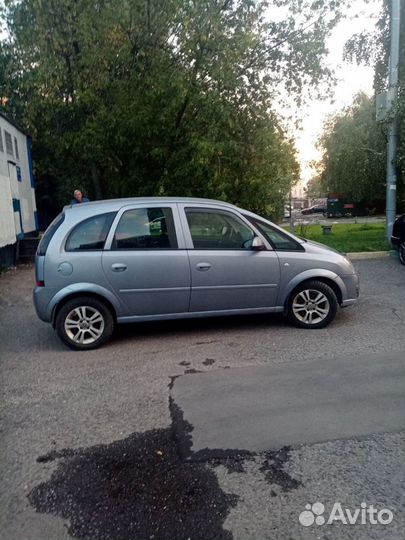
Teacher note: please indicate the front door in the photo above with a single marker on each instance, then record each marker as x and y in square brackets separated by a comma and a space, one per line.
[226, 273]
[144, 264]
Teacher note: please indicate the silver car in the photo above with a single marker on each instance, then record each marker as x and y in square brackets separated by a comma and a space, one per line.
[147, 259]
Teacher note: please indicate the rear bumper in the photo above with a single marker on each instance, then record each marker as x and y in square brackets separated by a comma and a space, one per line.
[41, 297]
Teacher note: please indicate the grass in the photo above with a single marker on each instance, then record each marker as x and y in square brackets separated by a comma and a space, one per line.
[348, 237]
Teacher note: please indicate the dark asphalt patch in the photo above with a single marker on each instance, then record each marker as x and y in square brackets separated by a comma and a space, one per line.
[149, 485]
[232, 460]
[273, 469]
[209, 361]
[134, 489]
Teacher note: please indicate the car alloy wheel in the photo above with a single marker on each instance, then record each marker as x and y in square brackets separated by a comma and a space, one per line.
[312, 305]
[84, 325]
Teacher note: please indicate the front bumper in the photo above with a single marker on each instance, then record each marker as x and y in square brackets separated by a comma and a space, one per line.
[352, 284]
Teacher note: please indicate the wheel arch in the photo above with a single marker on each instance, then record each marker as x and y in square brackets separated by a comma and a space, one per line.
[333, 280]
[66, 295]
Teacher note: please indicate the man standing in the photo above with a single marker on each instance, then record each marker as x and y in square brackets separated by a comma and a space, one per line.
[78, 197]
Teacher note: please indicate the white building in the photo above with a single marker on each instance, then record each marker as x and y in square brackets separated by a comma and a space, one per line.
[298, 190]
[18, 211]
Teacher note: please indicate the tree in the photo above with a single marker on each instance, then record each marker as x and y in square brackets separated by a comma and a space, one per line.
[133, 97]
[353, 160]
[372, 48]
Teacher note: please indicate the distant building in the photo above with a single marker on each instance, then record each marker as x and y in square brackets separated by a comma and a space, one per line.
[18, 211]
[298, 190]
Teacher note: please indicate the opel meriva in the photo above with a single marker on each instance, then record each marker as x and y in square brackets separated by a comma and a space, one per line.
[148, 259]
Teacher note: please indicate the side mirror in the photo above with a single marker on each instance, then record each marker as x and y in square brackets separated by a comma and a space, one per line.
[258, 244]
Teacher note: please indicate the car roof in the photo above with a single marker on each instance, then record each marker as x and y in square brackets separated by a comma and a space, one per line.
[116, 204]
[89, 209]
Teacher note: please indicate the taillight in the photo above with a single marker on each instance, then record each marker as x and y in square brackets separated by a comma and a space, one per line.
[40, 283]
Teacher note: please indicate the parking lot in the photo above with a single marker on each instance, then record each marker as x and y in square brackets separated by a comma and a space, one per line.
[101, 444]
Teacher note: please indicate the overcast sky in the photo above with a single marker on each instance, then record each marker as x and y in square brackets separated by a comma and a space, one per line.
[351, 80]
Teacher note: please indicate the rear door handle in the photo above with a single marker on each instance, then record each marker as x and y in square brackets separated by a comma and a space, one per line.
[118, 267]
[202, 266]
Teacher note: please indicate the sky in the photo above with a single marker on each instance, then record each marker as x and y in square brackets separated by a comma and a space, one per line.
[351, 80]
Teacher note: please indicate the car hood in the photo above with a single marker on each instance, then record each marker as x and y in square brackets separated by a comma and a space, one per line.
[333, 255]
[317, 247]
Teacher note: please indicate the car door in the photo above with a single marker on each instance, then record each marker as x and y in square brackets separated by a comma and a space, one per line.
[145, 261]
[226, 273]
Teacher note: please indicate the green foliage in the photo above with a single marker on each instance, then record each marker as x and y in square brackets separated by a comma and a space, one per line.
[350, 237]
[354, 153]
[373, 49]
[170, 97]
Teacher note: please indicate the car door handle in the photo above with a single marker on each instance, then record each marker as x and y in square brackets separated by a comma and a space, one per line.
[203, 266]
[118, 267]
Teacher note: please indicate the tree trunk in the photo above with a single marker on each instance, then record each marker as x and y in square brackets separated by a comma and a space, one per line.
[95, 175]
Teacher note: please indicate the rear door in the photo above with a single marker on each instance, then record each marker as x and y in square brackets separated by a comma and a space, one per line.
[145, 260]
[226, 273]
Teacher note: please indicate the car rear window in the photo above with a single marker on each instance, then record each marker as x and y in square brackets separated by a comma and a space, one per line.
[90, 234]
[48, 234]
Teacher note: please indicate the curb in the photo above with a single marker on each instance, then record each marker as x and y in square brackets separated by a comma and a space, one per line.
[361, 255]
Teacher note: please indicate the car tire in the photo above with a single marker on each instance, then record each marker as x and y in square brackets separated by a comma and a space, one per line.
[312, 305]
[401, 252]
[84, 323]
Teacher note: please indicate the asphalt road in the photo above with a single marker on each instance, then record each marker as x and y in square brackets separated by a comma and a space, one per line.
[269, 407]
[91, 444]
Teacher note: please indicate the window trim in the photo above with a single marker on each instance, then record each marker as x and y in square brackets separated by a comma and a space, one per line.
[111, 242]
[16, 149]
[80, 223]
[10, 146]
[256, 222]
[210, 210]
[1, 141]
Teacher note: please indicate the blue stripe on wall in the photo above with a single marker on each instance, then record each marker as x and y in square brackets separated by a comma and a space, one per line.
[17, 208]
[29, 149]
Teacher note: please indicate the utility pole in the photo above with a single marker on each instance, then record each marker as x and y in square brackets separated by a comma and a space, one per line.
[392, 96]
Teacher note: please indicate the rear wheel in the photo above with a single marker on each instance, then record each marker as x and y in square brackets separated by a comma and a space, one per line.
[402, 252]
[312, 305]
[84, 323]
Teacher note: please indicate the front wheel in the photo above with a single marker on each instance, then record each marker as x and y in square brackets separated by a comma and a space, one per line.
[312, 305]
[401, 252]
[84, 323]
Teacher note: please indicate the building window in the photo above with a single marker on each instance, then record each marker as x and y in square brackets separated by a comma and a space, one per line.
[17, 155]
[1, 142]
[9, 143]
[19, 177]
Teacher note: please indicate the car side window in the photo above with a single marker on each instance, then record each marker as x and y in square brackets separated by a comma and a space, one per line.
[90, 234]
[145, 228]
[212, 229]
[277, 239]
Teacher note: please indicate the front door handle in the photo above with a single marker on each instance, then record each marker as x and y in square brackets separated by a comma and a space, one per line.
[202, 266]
[118, 267]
